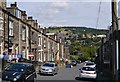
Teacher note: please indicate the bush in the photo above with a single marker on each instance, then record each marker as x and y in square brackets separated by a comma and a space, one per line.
[73, 57]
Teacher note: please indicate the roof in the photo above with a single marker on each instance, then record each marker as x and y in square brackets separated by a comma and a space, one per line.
[50, 62]
[28, 64]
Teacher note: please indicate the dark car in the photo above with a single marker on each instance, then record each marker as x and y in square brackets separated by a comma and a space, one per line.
[19, 72]
[73, 63]
[78, 61]
[68, 65]
[24, 60]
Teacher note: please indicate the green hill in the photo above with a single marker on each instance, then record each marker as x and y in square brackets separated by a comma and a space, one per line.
[80, 39]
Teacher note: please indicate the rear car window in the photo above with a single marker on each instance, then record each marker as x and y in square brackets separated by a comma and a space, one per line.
[90, 64]
[88, 69]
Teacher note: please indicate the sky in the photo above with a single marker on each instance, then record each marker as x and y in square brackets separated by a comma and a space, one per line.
[67, 12]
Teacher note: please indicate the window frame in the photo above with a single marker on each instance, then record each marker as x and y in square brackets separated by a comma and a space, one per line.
[23, 37]
[10, 28]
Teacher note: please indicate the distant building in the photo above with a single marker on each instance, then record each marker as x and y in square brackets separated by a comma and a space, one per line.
[2, 5]
[101, 36]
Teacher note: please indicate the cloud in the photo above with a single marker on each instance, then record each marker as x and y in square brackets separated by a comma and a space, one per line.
[60, 4]
[59, 21]
[59, 0]
[49, 12]
[52, 9]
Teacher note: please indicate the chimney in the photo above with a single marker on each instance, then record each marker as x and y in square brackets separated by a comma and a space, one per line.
[14, 5]
[31, 21]
[30, 18]
[24, 16]
[36, 24]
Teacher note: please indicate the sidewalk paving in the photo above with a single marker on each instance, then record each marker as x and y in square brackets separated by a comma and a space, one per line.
[103, 75]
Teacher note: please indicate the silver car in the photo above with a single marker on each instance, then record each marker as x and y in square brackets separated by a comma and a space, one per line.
[49, 68]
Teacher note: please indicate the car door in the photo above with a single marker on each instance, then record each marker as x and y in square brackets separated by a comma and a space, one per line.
[30, 74]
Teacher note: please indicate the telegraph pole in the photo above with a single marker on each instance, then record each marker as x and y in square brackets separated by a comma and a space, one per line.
[114, 16]
[115, 53]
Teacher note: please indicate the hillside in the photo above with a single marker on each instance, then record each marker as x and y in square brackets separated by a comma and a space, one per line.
[80, 39]
[77, 30]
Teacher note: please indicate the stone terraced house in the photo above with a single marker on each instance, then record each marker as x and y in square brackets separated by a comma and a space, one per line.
[21, 36]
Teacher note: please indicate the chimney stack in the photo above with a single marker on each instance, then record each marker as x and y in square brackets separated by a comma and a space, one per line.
[14, 5]
[24, 16]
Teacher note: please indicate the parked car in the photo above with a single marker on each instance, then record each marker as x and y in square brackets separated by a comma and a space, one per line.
[88, 72]
[49, 68]
[78, 61]
[90, 64]
[68, 65]
[73, 63]
[19, 72]
[24, 60]
[87, 61]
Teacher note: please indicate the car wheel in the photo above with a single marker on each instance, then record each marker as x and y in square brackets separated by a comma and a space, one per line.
[23, 81]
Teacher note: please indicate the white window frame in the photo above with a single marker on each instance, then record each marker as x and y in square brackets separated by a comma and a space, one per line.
[17, 13]
[44, 43]
[0, 47]
[23, 33]
[39, 39]
[1, 21]
[10, 28]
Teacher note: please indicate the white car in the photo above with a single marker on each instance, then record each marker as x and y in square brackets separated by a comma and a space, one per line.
[88, 72]
[90, 64]
[49, 68]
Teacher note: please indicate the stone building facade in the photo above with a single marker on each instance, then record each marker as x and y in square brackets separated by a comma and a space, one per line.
[22, 37]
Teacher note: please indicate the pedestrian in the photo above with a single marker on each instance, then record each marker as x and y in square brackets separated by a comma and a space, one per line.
[4, 59]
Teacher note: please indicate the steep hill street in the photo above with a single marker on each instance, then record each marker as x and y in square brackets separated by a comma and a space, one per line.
[65, 74]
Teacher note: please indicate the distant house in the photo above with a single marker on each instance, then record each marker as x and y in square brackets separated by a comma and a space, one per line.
[101, 36]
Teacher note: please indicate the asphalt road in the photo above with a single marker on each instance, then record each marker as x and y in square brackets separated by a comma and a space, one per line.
[64, 74]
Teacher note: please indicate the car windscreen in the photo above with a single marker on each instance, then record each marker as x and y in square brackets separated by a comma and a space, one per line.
[88, 69]
[73, 61]
[48, 65]
[16, 67]
[90, 64]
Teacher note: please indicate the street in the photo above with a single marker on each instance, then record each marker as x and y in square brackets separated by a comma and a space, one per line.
[64, 74]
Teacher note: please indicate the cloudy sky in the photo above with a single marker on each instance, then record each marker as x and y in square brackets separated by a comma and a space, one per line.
[68, 12]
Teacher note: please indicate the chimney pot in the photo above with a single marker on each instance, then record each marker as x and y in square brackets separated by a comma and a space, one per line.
[14, 4]
[30, 18]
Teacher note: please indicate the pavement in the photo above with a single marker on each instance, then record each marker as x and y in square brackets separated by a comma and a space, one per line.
[103, 75]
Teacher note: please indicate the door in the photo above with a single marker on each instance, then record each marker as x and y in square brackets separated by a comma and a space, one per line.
[30, 73]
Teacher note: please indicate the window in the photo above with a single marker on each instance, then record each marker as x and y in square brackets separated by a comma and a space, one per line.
[39, 40]
[23, 33]
[10, 28]
[44, 43]
[1, 20]
[0, 46]
[32, 34]
[0, 14]
[0, 25]
[18, 13]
